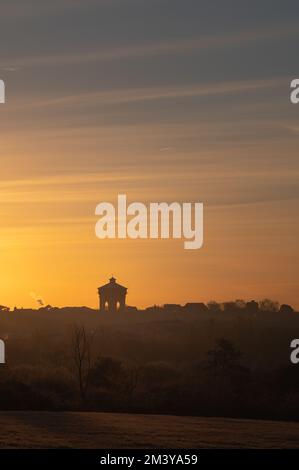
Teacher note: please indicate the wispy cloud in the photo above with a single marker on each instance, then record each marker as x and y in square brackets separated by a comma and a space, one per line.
[131, 95]
[90, 187]
[158, 48]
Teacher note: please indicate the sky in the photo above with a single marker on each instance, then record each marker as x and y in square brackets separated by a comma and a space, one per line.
[163, 100]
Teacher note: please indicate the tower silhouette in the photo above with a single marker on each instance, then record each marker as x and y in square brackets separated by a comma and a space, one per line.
[112, 297]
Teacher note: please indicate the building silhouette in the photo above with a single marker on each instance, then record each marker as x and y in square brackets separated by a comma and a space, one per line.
[112, 297]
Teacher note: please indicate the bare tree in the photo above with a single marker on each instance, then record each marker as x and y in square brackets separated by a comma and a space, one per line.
[82, 357]
[132, 380]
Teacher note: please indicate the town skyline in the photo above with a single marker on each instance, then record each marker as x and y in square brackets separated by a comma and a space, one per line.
[40, 303]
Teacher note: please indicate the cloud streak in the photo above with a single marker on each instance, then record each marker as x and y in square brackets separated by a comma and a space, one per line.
[160, 48]
[134, 95]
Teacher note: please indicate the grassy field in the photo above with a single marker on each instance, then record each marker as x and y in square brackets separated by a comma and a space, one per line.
[111, 430]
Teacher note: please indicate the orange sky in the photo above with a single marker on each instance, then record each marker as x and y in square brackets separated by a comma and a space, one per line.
[48, 243]
[186, 111]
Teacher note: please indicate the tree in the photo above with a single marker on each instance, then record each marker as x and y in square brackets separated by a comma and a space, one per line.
[252, 306]
[214, 306]
[81, 354]
[224, 358]
[132, 380]
[268, 305]
[285, 308]
[240, 304]
[230, 306]
[107, 372]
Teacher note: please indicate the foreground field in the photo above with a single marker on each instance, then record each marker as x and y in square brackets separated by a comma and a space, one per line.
[111, 430]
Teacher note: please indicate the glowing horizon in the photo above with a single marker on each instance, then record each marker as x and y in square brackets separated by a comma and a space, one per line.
[194, 110]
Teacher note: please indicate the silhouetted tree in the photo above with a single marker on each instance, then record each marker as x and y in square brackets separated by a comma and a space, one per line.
[284, 308]
[268, 305]
[234, 306]
[132, 380]
[214, 306]
[81, 354]
[224, 357]
[252, 306]
[240, 304]
[107, 372]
